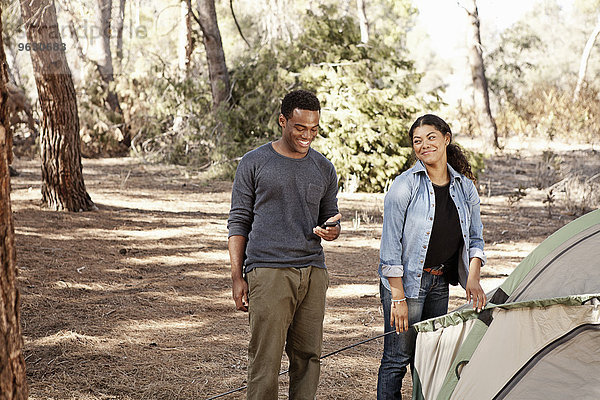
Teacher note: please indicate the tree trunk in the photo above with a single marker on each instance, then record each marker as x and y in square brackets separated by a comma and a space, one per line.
[362, 20]
[104, 58]
[62, 178]
[13, 381]
[217, 68]
[481, 97]
[585, 56]
[119, 24]
[185, 46]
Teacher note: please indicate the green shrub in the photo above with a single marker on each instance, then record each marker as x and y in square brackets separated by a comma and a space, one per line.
[170, 117]
[101, 130]
[367, 94]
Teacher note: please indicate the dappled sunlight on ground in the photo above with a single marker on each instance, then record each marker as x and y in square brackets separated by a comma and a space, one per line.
[70, 337]
[142, 328]
[175, 260]
[353, 290]
[518, 249]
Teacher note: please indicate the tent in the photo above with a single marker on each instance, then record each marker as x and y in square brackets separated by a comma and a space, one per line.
[538, 337]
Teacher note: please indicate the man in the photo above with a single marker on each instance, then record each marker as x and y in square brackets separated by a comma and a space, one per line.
[283, 193]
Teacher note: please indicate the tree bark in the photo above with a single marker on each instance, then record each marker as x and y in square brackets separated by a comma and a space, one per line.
[104, 58]
[481, 97]
[119, 24]
[585, 56]
[13, 381]
[217, 68]
[362, 20]
[63, 187]
[186, 45]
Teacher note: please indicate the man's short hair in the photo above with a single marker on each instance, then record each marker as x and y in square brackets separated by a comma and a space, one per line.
[301, 99]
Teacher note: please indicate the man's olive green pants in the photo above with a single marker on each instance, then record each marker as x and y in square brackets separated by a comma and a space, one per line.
[286, 308]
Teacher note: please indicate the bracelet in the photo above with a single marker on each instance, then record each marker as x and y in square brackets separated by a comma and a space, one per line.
[399, 300]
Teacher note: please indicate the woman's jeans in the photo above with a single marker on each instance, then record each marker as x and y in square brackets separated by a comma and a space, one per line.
[398, 350]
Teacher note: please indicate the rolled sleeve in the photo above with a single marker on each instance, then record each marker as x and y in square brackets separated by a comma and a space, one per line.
[392, 271]
[476, 252]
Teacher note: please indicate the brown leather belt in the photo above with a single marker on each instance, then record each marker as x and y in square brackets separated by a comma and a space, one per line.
[437, 271]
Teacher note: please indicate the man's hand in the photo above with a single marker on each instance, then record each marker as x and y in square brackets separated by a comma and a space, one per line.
[240, 294]
[331, 232]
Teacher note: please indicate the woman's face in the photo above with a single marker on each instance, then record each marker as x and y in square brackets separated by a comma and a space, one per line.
[430, 144]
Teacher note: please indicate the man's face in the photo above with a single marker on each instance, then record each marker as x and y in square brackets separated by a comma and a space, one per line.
[299, 131]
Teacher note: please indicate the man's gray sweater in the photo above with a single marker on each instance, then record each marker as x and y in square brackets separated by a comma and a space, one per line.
[276, 202]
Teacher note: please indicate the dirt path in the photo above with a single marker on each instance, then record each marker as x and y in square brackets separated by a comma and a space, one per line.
[133, 301]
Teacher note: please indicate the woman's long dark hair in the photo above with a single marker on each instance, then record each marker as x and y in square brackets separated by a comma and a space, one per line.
[455, 155]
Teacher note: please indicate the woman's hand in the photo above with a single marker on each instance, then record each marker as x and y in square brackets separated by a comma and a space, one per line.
[398, 309]
[474, 291]
[476, 294]
[399, 316]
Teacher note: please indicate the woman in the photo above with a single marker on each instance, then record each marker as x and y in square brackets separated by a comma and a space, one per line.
[432, 236]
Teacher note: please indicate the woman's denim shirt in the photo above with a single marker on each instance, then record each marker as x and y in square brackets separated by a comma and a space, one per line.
[409, 208]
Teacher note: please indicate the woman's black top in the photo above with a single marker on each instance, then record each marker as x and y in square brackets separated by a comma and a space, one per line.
[446, 237]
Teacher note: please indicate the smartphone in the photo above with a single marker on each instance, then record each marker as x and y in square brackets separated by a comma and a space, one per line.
[329, 224]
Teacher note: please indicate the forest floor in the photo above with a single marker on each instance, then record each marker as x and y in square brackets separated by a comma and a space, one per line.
[133, 301]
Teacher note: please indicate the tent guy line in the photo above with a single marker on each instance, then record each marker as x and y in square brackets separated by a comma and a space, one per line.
[322, 357]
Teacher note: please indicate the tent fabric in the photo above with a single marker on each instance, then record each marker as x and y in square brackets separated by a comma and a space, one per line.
[463, 356]
[429, 365]
[444, 344]
[571, 270]
[575, 239]
[540, 318]
[450, 319]
[570, 370]
[513, 338]
[466, 314]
